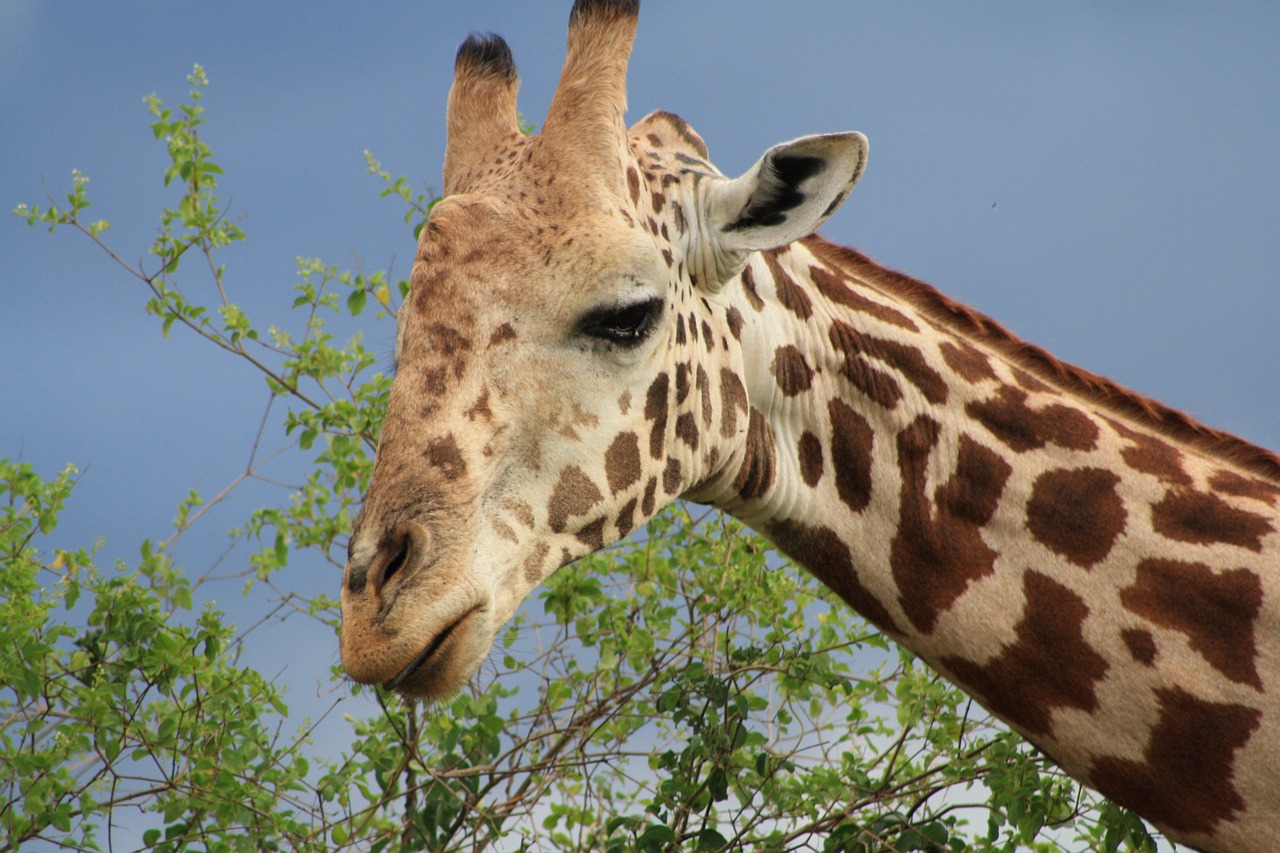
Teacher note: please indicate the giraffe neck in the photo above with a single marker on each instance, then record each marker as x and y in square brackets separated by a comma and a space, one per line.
[1092, 566]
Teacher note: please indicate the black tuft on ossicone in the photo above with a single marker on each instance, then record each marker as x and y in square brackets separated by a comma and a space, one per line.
[487, 54]
[610, 7]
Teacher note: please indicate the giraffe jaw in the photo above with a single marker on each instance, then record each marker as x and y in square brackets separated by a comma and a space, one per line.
[447, 661]
[420, 650]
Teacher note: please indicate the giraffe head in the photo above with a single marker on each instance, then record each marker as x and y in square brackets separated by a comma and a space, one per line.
[567, 361]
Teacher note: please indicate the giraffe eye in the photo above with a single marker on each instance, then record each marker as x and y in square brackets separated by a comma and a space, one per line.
[625, 325]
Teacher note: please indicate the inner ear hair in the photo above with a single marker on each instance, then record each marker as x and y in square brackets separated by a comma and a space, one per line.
[778, 190]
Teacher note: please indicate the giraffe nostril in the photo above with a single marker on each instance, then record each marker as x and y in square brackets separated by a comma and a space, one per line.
[400, 550]
[397, 561]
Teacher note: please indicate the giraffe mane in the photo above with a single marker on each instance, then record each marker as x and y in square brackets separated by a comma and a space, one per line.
[1096, 389]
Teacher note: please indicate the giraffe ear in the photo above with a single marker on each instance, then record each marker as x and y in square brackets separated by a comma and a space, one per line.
[787, 194]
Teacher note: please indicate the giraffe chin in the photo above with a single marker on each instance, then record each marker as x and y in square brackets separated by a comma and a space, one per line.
[448, 659]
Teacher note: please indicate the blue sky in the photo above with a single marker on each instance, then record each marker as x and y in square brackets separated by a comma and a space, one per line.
[1101, 177]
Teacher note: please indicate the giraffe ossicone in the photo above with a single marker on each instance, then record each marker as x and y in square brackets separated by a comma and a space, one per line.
[600, 322]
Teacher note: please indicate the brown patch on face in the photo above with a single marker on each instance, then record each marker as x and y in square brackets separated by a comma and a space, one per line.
[450, 343]
[480, 408]
[835, 287]
[1185, 782]
[1141, 645]
[791, 371]
[504, 531]
[1216, 610]
[687, 430]
[503, 333]
[733, 398]
[655, 409]
[877, 385]
[682, 382]
[633, 184]
[1205, 519]
[1231, 483]
[520, 510]
[624, 402]
[968, 362]
[938, 549]
[658, 200]
[790, 294]
[851, 445]
[534, 562]
[821, 551]
[443, 453]
[810, 449]
[749, 288]
[1150, 455]
[1008, 417]
[1050, 664]
[1077, 513]
[622, 462]
[435, 380]
[672, 477]
[759, 466]
[574, 494]
[681, 337]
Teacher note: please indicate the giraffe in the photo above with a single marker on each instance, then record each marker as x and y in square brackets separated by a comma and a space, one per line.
[600, 322]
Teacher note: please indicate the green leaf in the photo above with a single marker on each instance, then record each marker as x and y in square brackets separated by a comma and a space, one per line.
[356, 300]
[709, 839]
[718, 785]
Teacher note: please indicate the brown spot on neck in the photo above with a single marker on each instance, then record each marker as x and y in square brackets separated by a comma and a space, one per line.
[835, 286]
[821, 551]
[791, 371]
[759, 465]
[1216, 611]
[748, 280]
[969, 363]
[1205, 519]
[1185, 780]
[1050, 664]
[1151, 455]
[1076, 513]
[975, 326]
[1021, 428]
[790, 294]
[938, 549]
[852, 442]
[810, 453]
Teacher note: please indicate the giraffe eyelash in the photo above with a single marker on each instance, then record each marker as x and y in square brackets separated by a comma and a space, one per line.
[624, 325]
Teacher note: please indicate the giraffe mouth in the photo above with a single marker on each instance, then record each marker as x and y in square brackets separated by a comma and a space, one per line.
[430, 665]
